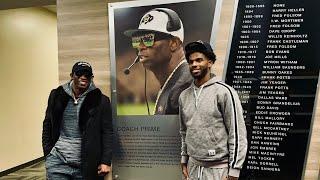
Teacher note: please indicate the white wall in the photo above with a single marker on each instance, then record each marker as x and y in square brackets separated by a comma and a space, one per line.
[28, 70]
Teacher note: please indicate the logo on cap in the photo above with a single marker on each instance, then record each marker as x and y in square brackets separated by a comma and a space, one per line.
[199, 41]
[84, 64]
[146, 19]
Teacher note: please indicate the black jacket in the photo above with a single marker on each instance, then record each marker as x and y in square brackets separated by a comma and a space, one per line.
[168, 99]
[95, 122]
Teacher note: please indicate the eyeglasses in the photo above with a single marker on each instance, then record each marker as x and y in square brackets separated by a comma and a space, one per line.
[85, 73]
[148, 39]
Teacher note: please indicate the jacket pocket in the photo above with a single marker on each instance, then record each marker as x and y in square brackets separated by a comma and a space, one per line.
[201, 143]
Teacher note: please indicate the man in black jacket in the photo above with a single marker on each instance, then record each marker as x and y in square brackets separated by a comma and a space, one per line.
[77, 129]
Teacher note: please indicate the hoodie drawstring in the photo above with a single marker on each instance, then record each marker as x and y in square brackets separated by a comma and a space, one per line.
[197, 96]
[200, 172]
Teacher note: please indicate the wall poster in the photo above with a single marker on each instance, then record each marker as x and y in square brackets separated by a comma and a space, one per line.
[144, 95]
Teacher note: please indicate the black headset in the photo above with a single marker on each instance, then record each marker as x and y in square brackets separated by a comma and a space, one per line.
[174, 23]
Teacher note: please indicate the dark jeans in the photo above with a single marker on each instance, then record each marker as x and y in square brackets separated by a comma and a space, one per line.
[58, 169]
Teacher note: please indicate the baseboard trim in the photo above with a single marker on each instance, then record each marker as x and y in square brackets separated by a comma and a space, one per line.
[24, 165]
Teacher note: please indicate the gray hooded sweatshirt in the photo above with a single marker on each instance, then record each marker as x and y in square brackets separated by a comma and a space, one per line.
[212, 126]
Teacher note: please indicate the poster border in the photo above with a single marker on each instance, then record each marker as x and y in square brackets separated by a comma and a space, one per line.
[230, 38]
[127, 4]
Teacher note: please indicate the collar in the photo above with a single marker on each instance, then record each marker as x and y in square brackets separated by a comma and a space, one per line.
[165, 84]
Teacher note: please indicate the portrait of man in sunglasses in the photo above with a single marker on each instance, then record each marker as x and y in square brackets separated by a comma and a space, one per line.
[158, 42]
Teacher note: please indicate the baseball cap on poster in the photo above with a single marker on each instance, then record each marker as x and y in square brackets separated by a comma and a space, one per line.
[161, 20]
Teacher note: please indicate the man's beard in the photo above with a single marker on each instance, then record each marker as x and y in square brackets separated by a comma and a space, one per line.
[203, 73]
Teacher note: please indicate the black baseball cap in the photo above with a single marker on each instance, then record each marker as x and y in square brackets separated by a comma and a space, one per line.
[82, 66]
[202, 47]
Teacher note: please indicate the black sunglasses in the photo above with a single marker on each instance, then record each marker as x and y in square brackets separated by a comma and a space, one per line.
[85, 73]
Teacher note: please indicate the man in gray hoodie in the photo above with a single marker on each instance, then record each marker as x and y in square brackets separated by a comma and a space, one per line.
[213, 131]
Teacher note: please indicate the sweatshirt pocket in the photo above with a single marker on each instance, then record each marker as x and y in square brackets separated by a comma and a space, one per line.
[201, 143]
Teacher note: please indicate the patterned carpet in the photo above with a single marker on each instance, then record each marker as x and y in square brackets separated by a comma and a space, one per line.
[33, 172]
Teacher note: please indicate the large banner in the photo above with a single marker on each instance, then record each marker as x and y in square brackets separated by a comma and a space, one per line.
[148, 72]
[274, 66]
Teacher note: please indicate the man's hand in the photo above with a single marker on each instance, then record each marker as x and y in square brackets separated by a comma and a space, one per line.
[185, 171]
[103, 169]
[231, 178]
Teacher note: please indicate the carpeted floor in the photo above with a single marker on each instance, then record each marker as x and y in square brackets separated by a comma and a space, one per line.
[33, 172]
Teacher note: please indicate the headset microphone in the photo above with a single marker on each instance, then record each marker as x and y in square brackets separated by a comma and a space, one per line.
[127, 70]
